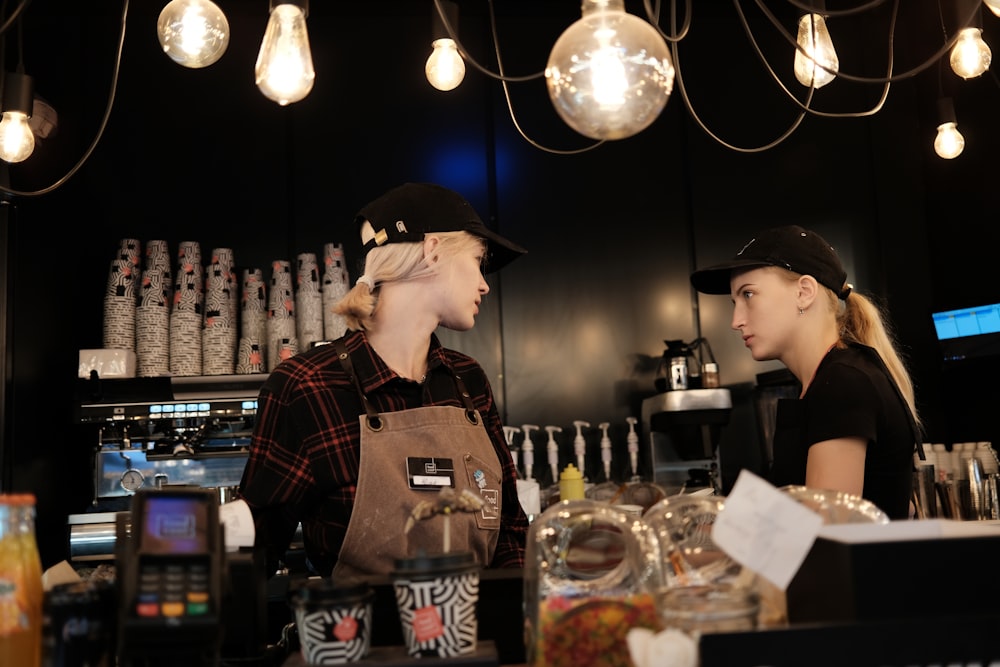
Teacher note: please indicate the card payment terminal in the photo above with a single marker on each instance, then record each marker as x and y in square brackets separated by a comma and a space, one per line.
[170, 561]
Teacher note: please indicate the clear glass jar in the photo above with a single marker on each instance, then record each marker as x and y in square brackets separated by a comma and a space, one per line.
[702, 609]
[591, 574]
[20, 583]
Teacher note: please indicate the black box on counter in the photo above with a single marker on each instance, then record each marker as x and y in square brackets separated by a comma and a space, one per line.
[900, 570]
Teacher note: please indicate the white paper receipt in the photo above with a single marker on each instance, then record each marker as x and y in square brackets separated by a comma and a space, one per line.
[765, 530]
[237, 524]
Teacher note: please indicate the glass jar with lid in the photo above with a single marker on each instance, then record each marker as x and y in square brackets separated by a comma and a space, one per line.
[591, 574]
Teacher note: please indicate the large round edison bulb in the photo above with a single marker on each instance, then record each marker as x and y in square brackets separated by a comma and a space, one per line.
[445, 68]
[16, 138]
[949, 142]
[193, 33]
[609, 75]
[970, 56]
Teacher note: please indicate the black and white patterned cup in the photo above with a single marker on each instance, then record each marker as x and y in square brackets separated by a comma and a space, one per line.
[436, 597]
[334, 622]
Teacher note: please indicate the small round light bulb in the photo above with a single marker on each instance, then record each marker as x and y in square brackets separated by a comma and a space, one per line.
[445, 68]
[949, 142]
[970, 56]
[16, 139]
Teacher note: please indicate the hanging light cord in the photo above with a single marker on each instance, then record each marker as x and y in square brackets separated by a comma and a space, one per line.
[100, 130]
[450, 29]
[510, 106]
[503, 78]
[675, 36]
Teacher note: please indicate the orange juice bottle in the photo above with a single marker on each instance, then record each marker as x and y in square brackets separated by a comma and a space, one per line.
[20, 583]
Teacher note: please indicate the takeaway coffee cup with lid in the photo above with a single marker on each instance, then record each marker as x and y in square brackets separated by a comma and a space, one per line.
[334, 622]
[436, 597]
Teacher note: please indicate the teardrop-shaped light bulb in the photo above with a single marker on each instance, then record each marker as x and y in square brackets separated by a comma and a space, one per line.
[284, 70]
[814, 38]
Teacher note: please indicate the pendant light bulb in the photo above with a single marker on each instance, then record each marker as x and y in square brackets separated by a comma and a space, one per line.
[445, 68]
[609, 75]
[17, 141]
[193, 33]
[284, 71]
[993, 5]
[949, 142]
[970, 56]
[814, 39]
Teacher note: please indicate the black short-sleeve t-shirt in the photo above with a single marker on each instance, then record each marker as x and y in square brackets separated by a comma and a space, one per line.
[851, 396]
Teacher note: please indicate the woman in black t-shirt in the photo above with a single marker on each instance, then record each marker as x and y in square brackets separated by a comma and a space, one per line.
[854, 426]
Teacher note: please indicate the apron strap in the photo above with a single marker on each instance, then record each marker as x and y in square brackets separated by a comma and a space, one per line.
[374, 420]
[470, 408]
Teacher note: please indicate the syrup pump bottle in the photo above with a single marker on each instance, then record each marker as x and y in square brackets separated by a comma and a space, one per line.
[580, 445]
[528, 450]
[605, 450]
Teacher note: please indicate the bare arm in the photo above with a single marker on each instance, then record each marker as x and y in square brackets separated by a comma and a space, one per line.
[837, 465]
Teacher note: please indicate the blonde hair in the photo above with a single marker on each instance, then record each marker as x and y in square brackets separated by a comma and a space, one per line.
[395, 262]
[860, 320]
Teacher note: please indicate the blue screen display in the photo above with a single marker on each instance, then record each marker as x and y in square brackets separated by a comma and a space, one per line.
[973, 321]
[968, 333]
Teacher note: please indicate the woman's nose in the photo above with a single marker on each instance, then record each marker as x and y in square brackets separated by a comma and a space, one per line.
[737, 322]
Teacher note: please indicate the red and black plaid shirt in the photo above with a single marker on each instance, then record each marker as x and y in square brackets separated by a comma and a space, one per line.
[304, 454]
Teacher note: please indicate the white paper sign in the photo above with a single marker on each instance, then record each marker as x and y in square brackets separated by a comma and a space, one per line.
[765, 530]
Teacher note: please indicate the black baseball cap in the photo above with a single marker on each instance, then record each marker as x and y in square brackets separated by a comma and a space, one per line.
[407, 212]
[790, 247]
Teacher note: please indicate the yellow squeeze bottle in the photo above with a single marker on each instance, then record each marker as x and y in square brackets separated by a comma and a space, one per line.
[571, 483]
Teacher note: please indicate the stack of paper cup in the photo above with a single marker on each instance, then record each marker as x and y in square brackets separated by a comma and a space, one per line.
[158, 259]
[308, 301]
[119, 302]
[335, 285]
[281, 340]
[152, 325]
[218, 342]
[188, 312]
[251, 354]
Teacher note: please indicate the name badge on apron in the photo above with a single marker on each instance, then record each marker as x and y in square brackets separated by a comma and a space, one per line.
[429, 474]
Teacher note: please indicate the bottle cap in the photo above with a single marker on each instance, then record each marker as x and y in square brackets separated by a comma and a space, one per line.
[570, 472]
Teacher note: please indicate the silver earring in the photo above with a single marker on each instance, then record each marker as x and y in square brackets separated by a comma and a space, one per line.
[801, 312]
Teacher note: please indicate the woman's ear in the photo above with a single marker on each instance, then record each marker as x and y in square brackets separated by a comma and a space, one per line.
[808, 291]
[431, 244]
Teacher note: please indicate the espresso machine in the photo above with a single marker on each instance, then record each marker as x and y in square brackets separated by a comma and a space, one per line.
[683, 422]
[684, 428]
[157, 433]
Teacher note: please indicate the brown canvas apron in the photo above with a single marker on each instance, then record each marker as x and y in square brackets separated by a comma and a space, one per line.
[406, 456]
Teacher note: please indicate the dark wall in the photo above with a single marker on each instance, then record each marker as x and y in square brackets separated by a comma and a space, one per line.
[573, 330]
